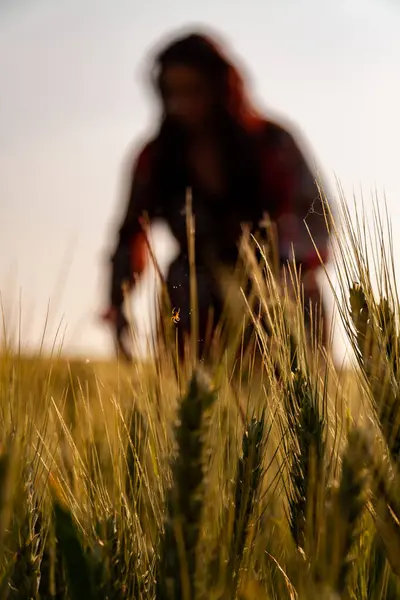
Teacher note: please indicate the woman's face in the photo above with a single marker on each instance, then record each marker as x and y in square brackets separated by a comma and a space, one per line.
[187, 96]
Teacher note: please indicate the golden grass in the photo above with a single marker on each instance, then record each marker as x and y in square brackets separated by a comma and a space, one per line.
[267, 475]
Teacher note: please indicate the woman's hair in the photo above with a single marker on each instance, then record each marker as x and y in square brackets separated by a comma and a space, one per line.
[201, 53]
[237, 120]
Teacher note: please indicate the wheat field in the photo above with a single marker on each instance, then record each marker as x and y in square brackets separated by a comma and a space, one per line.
[266, 473]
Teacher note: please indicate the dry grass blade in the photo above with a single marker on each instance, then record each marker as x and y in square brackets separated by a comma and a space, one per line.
[219, 506]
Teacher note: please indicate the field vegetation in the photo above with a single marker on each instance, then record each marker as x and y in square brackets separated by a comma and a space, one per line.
[266, 473]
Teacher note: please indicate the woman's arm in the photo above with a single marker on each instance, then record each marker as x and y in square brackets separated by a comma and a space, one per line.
[130, 254]
[300, 215]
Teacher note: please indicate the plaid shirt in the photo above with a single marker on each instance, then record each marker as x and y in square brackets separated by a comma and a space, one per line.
[298, 210]
[292, 201]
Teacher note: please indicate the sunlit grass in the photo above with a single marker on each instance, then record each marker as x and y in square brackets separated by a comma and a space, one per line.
[264, 473]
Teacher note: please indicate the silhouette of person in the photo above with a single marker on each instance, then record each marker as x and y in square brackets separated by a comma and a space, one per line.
[239, 166]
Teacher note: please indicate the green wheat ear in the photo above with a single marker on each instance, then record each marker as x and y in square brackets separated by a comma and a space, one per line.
[360, 316]
[248, 479]
[389, 409]
[377, 347]
[387, 325]
[25, 576]
[76, 562]
[348, 507]
[386, 506]
[307, 429]
[185, 499]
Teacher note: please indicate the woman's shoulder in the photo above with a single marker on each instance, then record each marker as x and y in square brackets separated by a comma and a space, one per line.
[278, 131]
[140, 154]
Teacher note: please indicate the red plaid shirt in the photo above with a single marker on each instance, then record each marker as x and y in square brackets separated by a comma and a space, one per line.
[289, 183]
[298, 210]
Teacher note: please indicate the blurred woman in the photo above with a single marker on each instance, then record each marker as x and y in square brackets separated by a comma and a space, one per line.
[239, 166]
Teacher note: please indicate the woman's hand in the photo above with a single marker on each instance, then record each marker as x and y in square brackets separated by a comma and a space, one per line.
[115, 317]
[110, 315]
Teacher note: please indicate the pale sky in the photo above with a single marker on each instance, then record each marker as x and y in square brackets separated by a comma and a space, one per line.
[74, 97]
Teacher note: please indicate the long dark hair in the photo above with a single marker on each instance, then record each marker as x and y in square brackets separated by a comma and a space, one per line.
[237, 120]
